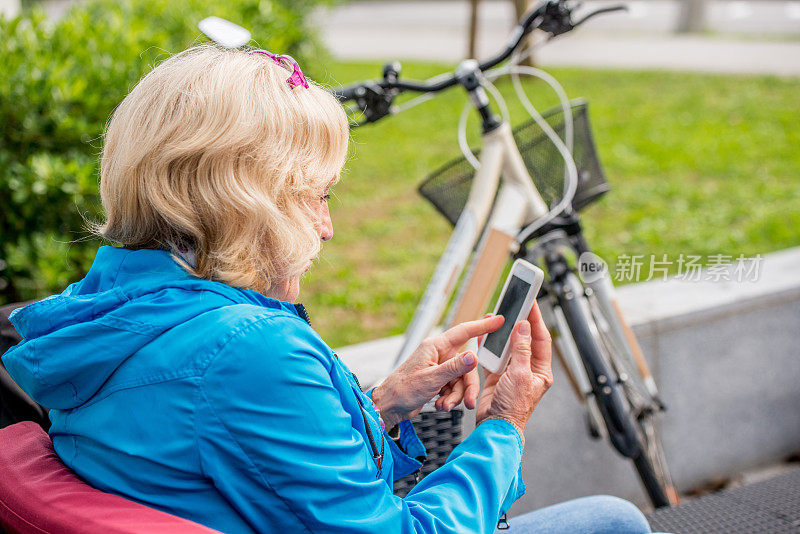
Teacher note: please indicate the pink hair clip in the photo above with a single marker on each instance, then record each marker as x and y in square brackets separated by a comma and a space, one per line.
[287, 61]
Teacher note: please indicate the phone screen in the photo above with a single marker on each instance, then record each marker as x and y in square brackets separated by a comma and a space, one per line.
[512, 302]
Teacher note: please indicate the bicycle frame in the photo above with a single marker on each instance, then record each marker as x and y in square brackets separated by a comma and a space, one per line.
[518, 203]
[591, 338]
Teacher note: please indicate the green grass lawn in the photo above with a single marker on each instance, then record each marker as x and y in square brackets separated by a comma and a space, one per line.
[698, 164]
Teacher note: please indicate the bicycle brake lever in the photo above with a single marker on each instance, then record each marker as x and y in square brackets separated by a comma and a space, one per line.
[374, 101]
[556, 18]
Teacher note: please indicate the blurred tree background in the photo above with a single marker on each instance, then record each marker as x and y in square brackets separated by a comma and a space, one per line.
[61, 81]
[698, 163]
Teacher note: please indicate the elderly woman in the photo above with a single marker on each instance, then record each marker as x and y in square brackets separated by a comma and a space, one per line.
[180, 374]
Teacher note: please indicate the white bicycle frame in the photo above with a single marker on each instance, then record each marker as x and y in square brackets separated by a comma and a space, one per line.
[518, 204]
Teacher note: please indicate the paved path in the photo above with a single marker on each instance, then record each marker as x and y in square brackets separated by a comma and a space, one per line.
[641, 38]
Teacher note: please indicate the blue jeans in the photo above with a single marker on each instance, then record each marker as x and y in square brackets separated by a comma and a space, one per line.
[600, 514]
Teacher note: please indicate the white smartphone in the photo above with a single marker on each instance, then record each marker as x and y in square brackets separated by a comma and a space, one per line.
[515, 303]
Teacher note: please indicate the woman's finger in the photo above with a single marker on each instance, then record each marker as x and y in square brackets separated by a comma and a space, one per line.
[480, 338]
[467, 390]
[445, 391]
[456, 337]
[451, 369]
[520, 346]
[473, 389]
[454, 397]
[540, 343]
[539, 331]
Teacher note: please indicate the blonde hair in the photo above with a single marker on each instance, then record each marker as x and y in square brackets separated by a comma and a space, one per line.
[214, 151]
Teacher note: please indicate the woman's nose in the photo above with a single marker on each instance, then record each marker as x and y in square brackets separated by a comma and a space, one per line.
[326, 224]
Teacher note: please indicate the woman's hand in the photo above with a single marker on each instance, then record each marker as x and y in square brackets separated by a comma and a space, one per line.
[514, 394]
[434, 368]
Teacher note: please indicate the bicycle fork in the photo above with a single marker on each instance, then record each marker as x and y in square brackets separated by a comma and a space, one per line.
[602, 380]
[567, 309]
[567, 353]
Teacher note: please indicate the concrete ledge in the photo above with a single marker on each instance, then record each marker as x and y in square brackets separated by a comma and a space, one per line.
[727, 361]
[674, 303]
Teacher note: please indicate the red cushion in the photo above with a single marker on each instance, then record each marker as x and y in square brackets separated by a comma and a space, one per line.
[39, 494]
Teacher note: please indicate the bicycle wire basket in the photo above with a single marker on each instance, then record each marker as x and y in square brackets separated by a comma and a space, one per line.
[448, 187]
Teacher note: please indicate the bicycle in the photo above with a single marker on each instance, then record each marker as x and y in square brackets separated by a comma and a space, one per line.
[533, 214]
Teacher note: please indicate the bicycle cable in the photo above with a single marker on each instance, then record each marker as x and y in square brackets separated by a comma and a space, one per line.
[554, 84]
[571, 172]
[462, 122]
[565, 149]
[461, 133]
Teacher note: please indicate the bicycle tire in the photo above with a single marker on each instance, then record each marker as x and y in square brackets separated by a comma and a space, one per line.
[647, 408]
[625, 431]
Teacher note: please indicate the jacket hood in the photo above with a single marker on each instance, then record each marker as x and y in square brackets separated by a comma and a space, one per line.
[73, 342]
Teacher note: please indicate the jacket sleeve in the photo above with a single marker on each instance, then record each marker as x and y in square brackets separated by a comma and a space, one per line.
[271, 428]
[407, 450]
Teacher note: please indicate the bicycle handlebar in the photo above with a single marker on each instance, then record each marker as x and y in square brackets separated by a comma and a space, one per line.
[374, 98]
[609, 9]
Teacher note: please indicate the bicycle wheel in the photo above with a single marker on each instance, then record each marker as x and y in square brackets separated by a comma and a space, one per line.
[645, 407]
[631, 428]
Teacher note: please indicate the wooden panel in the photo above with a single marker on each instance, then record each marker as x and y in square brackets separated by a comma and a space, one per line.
[492, 258]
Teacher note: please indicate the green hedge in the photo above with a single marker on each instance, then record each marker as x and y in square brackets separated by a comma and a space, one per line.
[60, 82]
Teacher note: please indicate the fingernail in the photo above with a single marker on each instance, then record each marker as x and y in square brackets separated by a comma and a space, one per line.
[468, 358]
[525, 328]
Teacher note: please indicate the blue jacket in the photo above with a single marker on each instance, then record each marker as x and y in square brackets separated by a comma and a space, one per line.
[223, 406]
